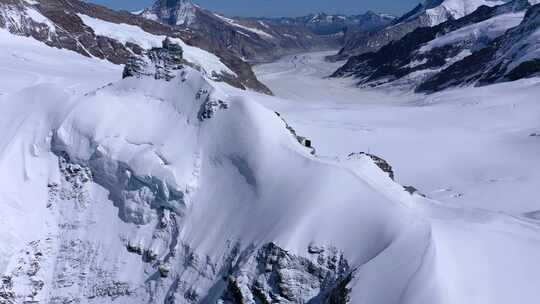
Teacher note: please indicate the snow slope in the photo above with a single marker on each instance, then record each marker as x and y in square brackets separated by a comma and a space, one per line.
[149, 190]
[129, 33]
[456, 146]
[25, 61]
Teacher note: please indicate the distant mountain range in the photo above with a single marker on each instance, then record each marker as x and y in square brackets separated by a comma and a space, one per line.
[428, 13]
[263, 39]
[492, 44]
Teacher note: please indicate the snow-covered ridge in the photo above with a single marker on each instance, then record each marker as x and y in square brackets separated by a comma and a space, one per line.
[486, 30]
[159, 189]
[129, 33]
[147, 161]
[455, 9]
[232, 22]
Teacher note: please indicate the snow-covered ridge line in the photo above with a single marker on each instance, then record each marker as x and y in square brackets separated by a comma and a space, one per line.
[129, 33]
[455, 9]
[484, 31]
[232, 22]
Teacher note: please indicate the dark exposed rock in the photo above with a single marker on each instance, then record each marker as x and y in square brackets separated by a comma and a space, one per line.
[301, 140]
[110, 290]
[209, 108]
[159, 63]
[381, 163]
[412, 190]
[276, 276]
[163, 271]
[371, 41]
[403, 57]
[525, 69]
[7, 295]
[340, 293]
[495, 62]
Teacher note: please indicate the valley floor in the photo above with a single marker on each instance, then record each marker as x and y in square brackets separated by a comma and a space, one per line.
[471, 147]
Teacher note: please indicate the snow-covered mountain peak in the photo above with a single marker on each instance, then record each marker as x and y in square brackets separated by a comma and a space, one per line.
[439, 11]
[177, 12]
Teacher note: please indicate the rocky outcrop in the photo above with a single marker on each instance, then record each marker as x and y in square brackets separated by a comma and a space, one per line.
[304, 141]
[272, 275]
[381, 163]
[159, 63]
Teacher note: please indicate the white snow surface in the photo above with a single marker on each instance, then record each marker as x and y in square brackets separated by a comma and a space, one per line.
[257, 31]
[470, 134]
[245, 177]
[483, 31]
[26, 61]
[456, 9]
[130, 33]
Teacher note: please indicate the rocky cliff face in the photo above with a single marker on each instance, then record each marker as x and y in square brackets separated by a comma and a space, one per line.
[426, 14]
[181, 12]
[272, 275]
[514, 55]
[426, 51]
[59, 23]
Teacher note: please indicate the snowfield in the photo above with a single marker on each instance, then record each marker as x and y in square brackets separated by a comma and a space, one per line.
[25, 62]
[143, 190]
[457, 146]
[455, 9]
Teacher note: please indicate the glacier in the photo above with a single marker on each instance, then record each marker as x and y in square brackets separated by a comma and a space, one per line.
[187, 190]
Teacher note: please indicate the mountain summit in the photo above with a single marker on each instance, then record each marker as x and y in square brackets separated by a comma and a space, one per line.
[176, 12]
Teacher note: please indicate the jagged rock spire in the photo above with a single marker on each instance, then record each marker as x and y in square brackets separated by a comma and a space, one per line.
[160, 63]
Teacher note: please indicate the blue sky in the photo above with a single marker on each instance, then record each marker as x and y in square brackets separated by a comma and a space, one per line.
[281, 7]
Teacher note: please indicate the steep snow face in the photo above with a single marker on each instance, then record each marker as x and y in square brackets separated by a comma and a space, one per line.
[180, 12]
[454, 9]
[259, 32]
